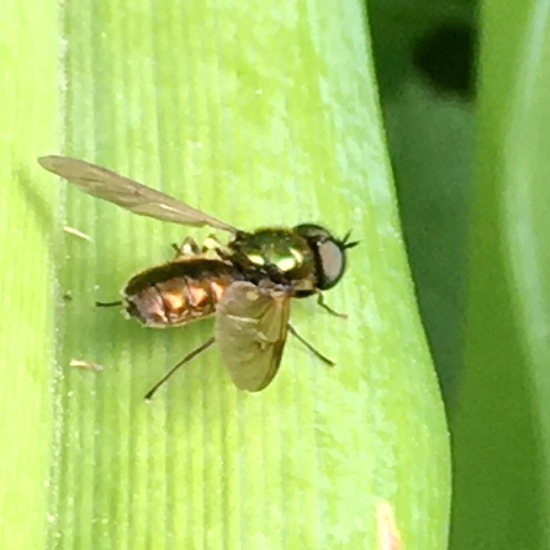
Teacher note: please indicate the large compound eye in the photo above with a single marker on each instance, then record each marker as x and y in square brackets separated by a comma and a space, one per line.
[332, 259]
[329, 253]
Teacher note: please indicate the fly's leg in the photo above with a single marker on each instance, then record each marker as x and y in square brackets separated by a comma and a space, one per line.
[232, 257]
[225, 255]
[186, 359]
[109, 304]
[315, 352]
[321, 302]
[187, 248]
[211, 244]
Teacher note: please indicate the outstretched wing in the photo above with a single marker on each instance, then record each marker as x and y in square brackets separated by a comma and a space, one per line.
[251, 329]
[136, 197]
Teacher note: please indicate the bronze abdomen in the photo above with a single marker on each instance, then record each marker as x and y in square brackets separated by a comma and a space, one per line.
[178, 292]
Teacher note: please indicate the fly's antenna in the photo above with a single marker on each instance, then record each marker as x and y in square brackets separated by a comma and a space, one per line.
[186, 359]
[345, 241]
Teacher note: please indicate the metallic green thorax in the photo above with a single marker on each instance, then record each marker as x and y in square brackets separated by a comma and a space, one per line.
[285, 249]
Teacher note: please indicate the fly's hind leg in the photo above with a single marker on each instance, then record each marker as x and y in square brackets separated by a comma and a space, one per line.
[185, 360]
[315, 352]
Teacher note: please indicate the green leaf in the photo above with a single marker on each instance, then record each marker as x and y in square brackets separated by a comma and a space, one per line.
[502, 431]
[28, 113]
[258, 116]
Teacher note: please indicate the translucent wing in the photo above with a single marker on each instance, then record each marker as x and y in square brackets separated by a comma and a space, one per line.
[251, 329]
[136, 197]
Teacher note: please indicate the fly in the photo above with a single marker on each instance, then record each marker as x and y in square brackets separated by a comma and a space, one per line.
[246, 285]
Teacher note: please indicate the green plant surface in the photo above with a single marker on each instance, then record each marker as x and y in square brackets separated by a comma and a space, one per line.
[501, 431]
[258, 116]
[28, 122]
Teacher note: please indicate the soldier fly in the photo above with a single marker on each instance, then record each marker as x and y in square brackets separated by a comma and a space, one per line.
[247, 284]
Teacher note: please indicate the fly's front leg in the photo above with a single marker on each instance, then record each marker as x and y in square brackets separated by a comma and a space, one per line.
[321, 302]
[187, 248]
